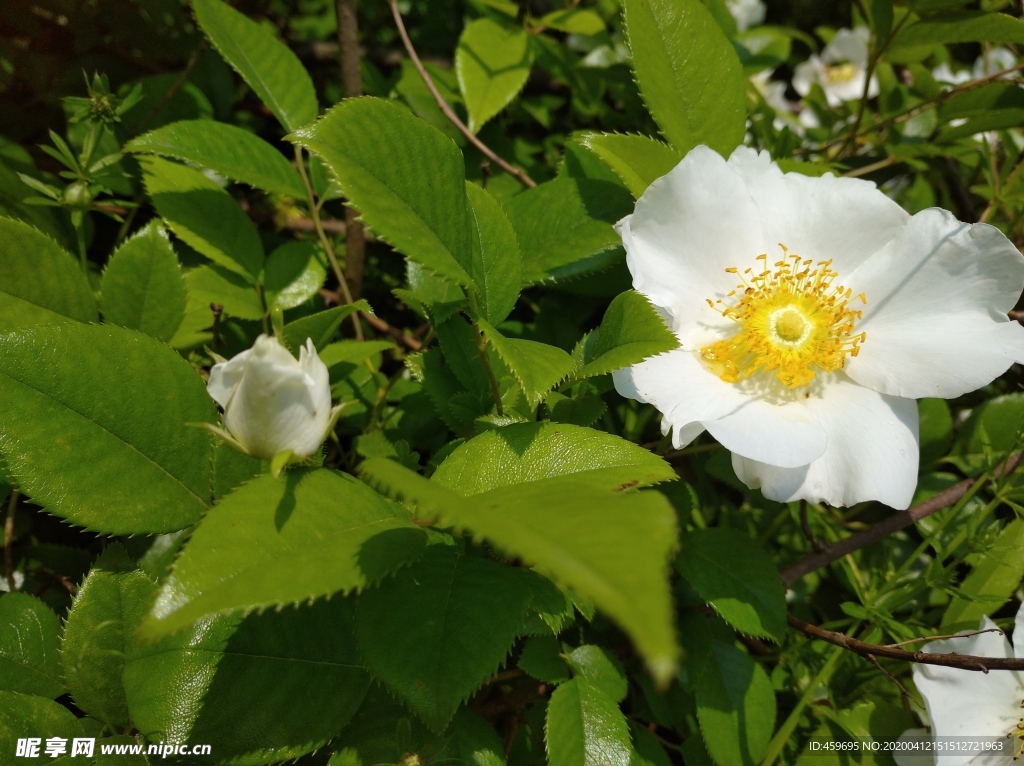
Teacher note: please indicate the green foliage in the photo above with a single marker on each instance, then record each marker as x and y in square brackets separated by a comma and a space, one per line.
[433, 635]
[299, 666]
[688, 73]
[129, 456]
[737, 579]
[530, 573]
[405, 177]
[270, 68]
[232, 152]
[492, 63]
[630, 332]
[29, 635]
[97, 634]
[637, 160]
[349, 536]
[204, 216]
[143, 288]
[41, 284]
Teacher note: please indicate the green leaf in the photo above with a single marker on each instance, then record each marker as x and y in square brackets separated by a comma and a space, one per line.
[293, 274]
[688, 73]
[565, 228]
[268, 66]
[271, 542]
[348, 352]
[936, 429]
[205, 216]
[233, 152]
[24, 715]
[993, 429]
[525, 452]
[585, 727]
[143, 288]
[296, 674]
[212, 285]
[737, 578]
[29, 654]
[735, 704]
[542, 658]
[961, 27]
[97, 426]
[497, 268]
[574, 21]
[405, 178]
[97, 635]
[610, 548]
[431, 632]
[537, 367]
[630, 332]
[600, 668]
[992, 581]
[637, 160]
[41, 283]
[492, 63]
[321, 326]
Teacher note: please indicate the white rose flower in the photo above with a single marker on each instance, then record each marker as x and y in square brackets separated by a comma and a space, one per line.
[840, 70]
[969, 703]
[272, 402]
[810, 313]
[746, 13]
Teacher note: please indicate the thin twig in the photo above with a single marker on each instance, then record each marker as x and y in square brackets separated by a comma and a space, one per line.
[314, 213]
[517, 698]
[805, 527]
[330, 225]
[9, 540]
[351, 87]
[950, 660]
[899, 684]
[178, 84]
[517, 173]
[894, 523]
[919, 639]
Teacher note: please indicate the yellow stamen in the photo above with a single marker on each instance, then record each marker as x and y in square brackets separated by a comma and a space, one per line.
[840, 73]
[793, 322]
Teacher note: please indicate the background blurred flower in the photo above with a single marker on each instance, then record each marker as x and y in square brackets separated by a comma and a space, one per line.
[747, 13]
[840, 70]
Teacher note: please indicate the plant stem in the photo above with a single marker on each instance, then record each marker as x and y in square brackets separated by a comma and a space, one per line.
[785, 731]
[314, 213]
[517, 173]
[481, 348]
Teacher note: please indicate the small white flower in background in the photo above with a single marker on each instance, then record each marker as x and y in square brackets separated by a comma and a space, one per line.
[840, 70]
[973, 704]
[272, 402]
[747, 13]
[810, 313]
[995, 60]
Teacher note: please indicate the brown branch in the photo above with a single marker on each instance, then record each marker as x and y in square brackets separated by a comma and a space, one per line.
[519, 697]
[871, 651]
[517, 173]
[378, 324]
[894, 523]
[351, 87]
[330, 225]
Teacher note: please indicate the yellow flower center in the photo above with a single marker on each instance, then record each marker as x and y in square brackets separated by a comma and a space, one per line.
[793, 322]
[1017, 735]
[840, 73]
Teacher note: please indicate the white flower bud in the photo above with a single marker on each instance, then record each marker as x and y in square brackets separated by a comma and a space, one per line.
[273, 402]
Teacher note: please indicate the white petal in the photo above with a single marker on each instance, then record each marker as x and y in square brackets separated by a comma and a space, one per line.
[970, 703]
[872, 452]
[780, 435]
[936, 313]
[849, 45]
[225, 376]
[807, 73]
[687, 228]
[845, 220]
[1018, 632]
